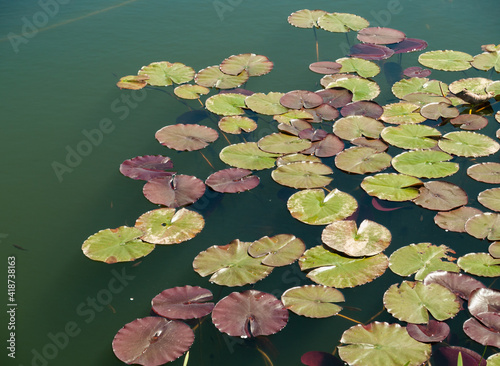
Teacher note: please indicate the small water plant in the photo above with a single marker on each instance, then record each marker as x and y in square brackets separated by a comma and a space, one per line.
[402, 150]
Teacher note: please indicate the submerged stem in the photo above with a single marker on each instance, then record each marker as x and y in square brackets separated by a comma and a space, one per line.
[208, 161]
[267, 360]
[346, 317]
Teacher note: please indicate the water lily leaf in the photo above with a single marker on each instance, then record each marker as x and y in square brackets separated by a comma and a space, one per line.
[486, 332]
[320, 358]
[361, 89]
[409, 45]
[337, 98]
[484, 225]
[382, 344]
[280, 143]
[312, 207]
[313, 301]
[362, 67]
[362, 108]
[433, 331]
[305, 18]
[335, 270]
[188, 91]
[313, 134]
[147, 167]
[292, 158]
[410, 136]
[402, 112]
[451, 355]
[421, 259]
[122, 244]
[168, 226]
[292, 116]
[490, 198]
[247, 155]
[237, 124]
[493, 360]
[227, 104]
[232, 180]
[418, 85]
[380, 35]
[277, 251]
[460, 284]
[484, 300]
[230, 265]
[376, 144]
[266, 103]
[249, 314]
[302, 175]
[342, 22]
[391, 186]
[441, 196]
[331, 145]
[186, 302]
[351, 127]
[480, 264]
[425, 164]
[164, 73]
[486, 61]
[469, 122]
[152, 341]
[297, 99]
[362, 160]
[416, 72]
[176, 191]
[454, 220]
[494, 249]
[213, 77]
[369, 51]
[133, 82]
[485, 172]
[446, 60]
[469, 144]
[439, 110]
[254, 65]
[325, 67]
[413, 301]
[182, 137]
[369, 239]
[472, 90]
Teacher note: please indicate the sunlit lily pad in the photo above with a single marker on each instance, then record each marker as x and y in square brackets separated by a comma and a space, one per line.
[484, 225]
[291, 115]
[490, 199]
[147, 167]
[230, 265]
[411, 136]
[311, 206]
[362, 108]
[454, 220]
[237, 124]
[494, 249]
[325, 67]
[254, 65]
[329, 146]
[168, 226]
[486, 332]
[361, 88]
[493, 360]
[227, 104]
[469, 144]
[344, 236]
[183, 302]
[335, 270]
[176, 191]
[133, 82]
[164, 73]
[424, 98]
[351, 127]
[416, 72]
[276, 251]
[380, 35]
[337, 98]
[280, 143]
[382, 344]
[421, 259]
[475, 85]
[391, 186]
[266, 103]
[362, 67]
[487, 60]
[441, 196]
[232, 180]
[122, 244]
[302, 175]
[425, 164]
[413, 301]
[446, 60]
[484, 300]
[376, 144]
[460, 284]
[189, 137]
[433, 331]
[362, 160]
[313, 301]
[469, 121]
[480, 264]
[247, 155]
[402, 112]
[438, 110]
[342, 22]
[305, 18]
[293, 158]
[213, 77]
[418, 84]
[450, 355]
[297, 99]
[409, 45]
[188, 91]
[485, 172]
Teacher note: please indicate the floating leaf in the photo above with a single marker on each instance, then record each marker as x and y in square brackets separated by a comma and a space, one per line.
[484, 300]
[276, 251]
[453, 355]
[232, 180]
[480, 264]
[416, 72]
[298, 99]
[293, 115]
[402, 112]
[302, 175]
[391, 186]
[227, 104]
[484, 225]
[176, 191]
[469, 122]
[164, 73]
[329, 146]
[380, 35]
[237, 124]
[441, 196]
[460, 284]
[266, 103]
[186, 302]
[320, 358]
[188, 91]
[313, 301]
[418, 84]
[133, 82]
[362, 160]
[446, 60]
[254, 65]
[361, 89]
[325, 67]
[490, 199]
[342, 22]
[425, 164]
[293, 158]
[370, 51]
[485, 172]
[486, 332]
[494, 249]
[147, 167]
[433, 331]
[486, 61]
[213, 77]
[472, 90]
[247, 155]
[280, 143]
[337, 98]
[362, 108]
[351, 127]
[410, 136]
[454, 220]
[305, 18]
[182, 137]
[469, 144]
[409, 45]
[438, 110]
[362, 67]
[376, 144]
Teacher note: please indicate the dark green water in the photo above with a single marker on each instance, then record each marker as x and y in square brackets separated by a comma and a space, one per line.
[59, 65]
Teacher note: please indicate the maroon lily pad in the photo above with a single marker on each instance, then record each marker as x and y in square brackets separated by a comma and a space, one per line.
[295, 126]
[331, 145]
[335, 97]
[152, 341]
[186, 137]
[460, 284]
[433, 331]
[380, 35]
[409, 45]
[441, 196]
[362, 108]
[297, 99]
[324, 112]
[186, 302]
[455, 220]
[486, 332]
[318, 358]
[325, 67]
[249, 314]
[175, 191]
[369, 51]
[484, 300]
[232, 180]
[147, 167]
[470, 122]
[313, 134]
[416, 72]
[448, 356]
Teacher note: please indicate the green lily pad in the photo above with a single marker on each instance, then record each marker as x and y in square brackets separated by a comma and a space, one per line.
[493, 88]
[484, 225]
[247, 155]
[477, 86]
[313, 301]
[237, 124]
[302, 175]
[382, 344]
[363, 68]
[305, 18]
[133, 82]
[362, 160]
[446, 60]
[342, 22]
[490, 199]
[413, 301]
[230, 265]
[438, 110]
[468, 143]
[421, 259]
[494, 249]
[292, 114]
[485, 172]
[401, 113]
[455, 220]
[352, 127]
[293, 158]
[485, 61]
[164, 73]
[188, 91]
[493, 360]
[186, 137]
[423, 98]
[280, 143]
[254, 65]
[441, 196]
[392, 187]
[411, 137]
[480, 264]
[268, 104]
[312, 207]
[405, 87]
[425, 164]
[227, 104]
[276, 251]
[361, 88]
[335, 270]
[168, 226]
[369, 239]
[213, 77]
[122, 244]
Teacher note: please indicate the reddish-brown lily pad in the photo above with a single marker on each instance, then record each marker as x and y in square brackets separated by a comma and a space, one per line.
[371, 51]
[186, 302]
[455, 220]
[441, 196]
[380, 35]
[470, 122]
[147, 167]
[232, 180]
[175, 191]
[433, 331]
[325, 67]
[460, 284]
[298, 99]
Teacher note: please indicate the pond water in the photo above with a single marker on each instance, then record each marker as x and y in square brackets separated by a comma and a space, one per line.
[60, 107]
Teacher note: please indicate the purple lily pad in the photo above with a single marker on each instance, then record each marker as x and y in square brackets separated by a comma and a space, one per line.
[152, 341]
[486, 332]
[362, 108]
[369, 51]
[470, 122]
[249, 314]
[409, 45]
[324, 112]
[433, 331]
[331, 145]
[232, 180]
[318, 358]
[484, 300]
[298, 99]
[147, 167]
[175, 191]
[380, 35]
[313, 134]
[460, 284]
[325, 67]
[335, 97]
[295, 126]
[186, 137]
[450, 356]
[187, 302]
[416, 72]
